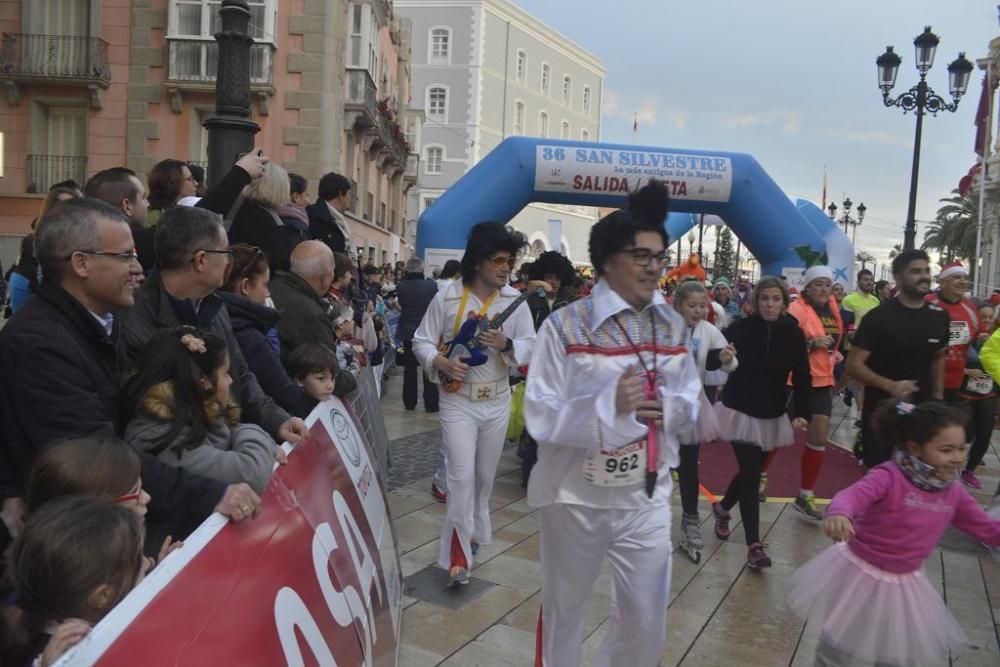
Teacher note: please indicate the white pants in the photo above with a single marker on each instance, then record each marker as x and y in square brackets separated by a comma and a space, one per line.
[473, 434]
[574, 541]
[441, 470]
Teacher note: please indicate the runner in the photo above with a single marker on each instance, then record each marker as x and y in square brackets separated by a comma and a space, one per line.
[610, 386]
[979, 392]
[476, 407]
[963, 325]
[818, 315]
[752, 413]
[858, 302]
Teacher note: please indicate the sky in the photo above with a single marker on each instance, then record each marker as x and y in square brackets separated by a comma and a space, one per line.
[793, 83]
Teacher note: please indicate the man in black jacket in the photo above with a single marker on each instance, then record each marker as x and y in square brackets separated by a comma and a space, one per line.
[326, 216]
[59, 364]
[414, 294]
[120, 187]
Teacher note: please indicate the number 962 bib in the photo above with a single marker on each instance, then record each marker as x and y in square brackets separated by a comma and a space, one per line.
[617, 467]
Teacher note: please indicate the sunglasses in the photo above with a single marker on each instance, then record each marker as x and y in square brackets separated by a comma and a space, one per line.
[499, 261]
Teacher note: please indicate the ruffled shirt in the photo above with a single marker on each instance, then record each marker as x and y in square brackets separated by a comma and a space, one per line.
[569, 405]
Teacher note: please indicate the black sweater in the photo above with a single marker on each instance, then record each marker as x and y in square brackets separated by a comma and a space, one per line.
[768, 352]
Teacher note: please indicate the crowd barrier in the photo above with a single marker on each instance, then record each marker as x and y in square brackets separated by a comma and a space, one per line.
[314, 580]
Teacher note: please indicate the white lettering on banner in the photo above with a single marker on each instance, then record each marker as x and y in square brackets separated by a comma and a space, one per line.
[291, 612]
[364, 564]
[592, 171]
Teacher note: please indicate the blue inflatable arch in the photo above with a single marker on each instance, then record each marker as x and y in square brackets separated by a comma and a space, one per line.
[780, 234]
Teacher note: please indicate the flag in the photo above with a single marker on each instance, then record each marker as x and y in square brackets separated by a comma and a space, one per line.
[824, 187]
[965, 183]
[983, 117]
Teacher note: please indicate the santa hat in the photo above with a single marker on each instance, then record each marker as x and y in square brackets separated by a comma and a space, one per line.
[953, 269]
[815, 273]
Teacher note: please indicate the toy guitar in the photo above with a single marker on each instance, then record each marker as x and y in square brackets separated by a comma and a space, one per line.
[466, 345]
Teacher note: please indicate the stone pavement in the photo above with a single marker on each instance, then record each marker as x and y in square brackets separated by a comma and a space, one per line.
[720, 612]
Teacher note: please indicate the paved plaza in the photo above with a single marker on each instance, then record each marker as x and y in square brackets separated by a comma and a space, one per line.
[720, 612]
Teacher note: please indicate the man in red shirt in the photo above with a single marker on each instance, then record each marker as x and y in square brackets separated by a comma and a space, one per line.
[964, 324]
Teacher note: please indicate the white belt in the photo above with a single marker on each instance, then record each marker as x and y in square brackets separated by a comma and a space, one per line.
[485, 391]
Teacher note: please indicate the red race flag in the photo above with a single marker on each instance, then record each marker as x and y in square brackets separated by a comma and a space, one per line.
[983, 118]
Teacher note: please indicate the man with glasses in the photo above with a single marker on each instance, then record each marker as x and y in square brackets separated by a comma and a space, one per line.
[60, 370]
[474, 413]
[191, 257]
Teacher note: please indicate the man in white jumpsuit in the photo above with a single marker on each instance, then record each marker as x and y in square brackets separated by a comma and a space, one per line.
[474, 418]
[588, 408]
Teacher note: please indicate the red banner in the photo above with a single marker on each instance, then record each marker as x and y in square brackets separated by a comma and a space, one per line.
[313, 580]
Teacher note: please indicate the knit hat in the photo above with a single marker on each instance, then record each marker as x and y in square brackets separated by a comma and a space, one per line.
[953, 269]
[722, 281]
[815, 273]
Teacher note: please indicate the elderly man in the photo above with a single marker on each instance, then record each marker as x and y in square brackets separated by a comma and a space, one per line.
[60, 365]
[120, 187]
[305, 315]
[191, 256]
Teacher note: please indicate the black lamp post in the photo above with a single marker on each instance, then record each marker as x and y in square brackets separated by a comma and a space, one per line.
[921, 99]
[846, 220]
[230, 130]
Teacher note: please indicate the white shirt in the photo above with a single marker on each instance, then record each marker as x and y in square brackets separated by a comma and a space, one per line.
[702, 339]
[569, 402]
[338, 219]
[438, 326]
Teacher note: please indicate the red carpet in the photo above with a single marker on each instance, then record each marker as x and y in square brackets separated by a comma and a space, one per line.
[717, 466]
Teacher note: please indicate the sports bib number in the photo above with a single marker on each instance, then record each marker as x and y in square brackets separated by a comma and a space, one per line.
[958, 333]
[979, 385]
[617, 467]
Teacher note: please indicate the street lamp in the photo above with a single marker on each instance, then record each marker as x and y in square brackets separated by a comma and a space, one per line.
[846, 219]
[921, 98]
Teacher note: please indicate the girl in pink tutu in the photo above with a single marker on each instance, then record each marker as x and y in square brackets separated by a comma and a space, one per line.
[868, 591]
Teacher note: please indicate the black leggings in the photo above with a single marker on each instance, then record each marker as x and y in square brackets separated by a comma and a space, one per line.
[743, 488]
[981, 416]
[687, 472]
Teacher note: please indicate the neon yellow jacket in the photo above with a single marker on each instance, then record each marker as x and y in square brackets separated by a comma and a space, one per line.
[989, 355]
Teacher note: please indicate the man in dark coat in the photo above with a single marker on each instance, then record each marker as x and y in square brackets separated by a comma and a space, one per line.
[59, 364]
[414, 294]
[121, 187]
[326, 216]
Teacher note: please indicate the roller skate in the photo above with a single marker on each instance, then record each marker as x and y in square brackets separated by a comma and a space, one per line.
[691, 541]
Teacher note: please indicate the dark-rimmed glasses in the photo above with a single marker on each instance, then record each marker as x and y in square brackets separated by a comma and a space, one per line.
[643, 256]
[127, 256]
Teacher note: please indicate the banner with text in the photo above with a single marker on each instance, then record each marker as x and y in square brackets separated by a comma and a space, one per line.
[605, 170]
[313, 580]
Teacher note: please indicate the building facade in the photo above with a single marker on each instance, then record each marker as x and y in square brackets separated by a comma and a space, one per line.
[485, 70]
[91, 84]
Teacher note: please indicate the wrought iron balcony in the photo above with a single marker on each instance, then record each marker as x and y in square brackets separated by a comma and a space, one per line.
[196, 61]
[63, 58]
[44, 171]
[391, 138]
[359, 98]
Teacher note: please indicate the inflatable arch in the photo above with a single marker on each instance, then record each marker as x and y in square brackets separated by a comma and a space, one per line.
[780, 234]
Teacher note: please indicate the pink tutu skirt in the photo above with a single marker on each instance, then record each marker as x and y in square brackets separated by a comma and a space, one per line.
[874, 615]
[706, 428]
[767, 434]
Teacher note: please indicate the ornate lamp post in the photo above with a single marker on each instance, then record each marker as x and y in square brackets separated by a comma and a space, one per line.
[230, 130]
[920, 99]
[846, 220]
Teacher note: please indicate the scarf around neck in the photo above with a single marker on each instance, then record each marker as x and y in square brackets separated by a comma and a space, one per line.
[923, 475]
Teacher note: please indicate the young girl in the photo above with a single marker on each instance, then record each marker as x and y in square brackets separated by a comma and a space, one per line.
[75, 559]
[181, 412]
[711, 352]
[868, 591]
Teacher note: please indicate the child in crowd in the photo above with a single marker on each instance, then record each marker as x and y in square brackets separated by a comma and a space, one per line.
[180, 411]
[710, 351]
[343, 328]
[314, 367]
[75, 559]
[868, 592]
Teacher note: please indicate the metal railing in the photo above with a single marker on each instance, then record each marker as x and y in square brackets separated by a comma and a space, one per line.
[360, 96]
[44, 171]
[197, 61]
[54, 57]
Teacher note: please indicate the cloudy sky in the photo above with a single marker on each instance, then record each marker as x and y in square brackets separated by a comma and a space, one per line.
[793, 83]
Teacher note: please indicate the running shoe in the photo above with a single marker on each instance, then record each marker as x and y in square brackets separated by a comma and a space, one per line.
[970, 480]
[721, 522]
[762, 488]
[807, 506]
[757, 558]
[458, 575]
[674, 475]
[439, 495]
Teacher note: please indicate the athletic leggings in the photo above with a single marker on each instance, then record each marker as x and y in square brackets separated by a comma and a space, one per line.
[687, 472]
[743, 488]
[981, 416]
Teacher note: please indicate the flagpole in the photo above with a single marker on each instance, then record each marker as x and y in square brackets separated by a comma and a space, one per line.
[824, 188]
[977, 281]
[635, 126]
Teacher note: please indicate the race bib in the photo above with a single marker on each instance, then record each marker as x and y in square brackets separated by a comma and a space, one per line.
[958, 333]
[617, 467]
[981, 386]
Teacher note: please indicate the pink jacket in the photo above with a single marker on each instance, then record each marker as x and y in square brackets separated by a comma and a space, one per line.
[897, 525]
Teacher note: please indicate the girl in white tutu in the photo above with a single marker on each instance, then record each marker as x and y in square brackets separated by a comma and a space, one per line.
[868, 592]
[710, 351]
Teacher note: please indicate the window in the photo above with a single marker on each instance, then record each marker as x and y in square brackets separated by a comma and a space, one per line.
[546, 78]
[519, 118]
[567, 89]
[440, 47]
[437, 104]
[194, 53]
[200, 18]
[586, 100]
[369, 205]
[381, 214]
[355, 58]
[428, 201]
[434, 160]
[59, 146]
[585, 135]
[522, 65]
[543, 124]
[564, 130]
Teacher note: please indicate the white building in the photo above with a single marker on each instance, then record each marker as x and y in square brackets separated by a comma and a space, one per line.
[484, 70]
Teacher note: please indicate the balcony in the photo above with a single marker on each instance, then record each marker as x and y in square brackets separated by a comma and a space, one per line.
[412, 169]
[44, 171]
[193, 63]
[54, 59]
[359, 99]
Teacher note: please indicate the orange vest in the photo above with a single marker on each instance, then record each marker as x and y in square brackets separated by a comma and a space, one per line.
[821, 361]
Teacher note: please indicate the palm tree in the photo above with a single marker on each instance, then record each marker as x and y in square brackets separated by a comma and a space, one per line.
[896, 250]
[864, 257]
[953, 231]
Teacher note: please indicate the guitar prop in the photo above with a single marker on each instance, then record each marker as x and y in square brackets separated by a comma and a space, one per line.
[652, 448]
[466, 346]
